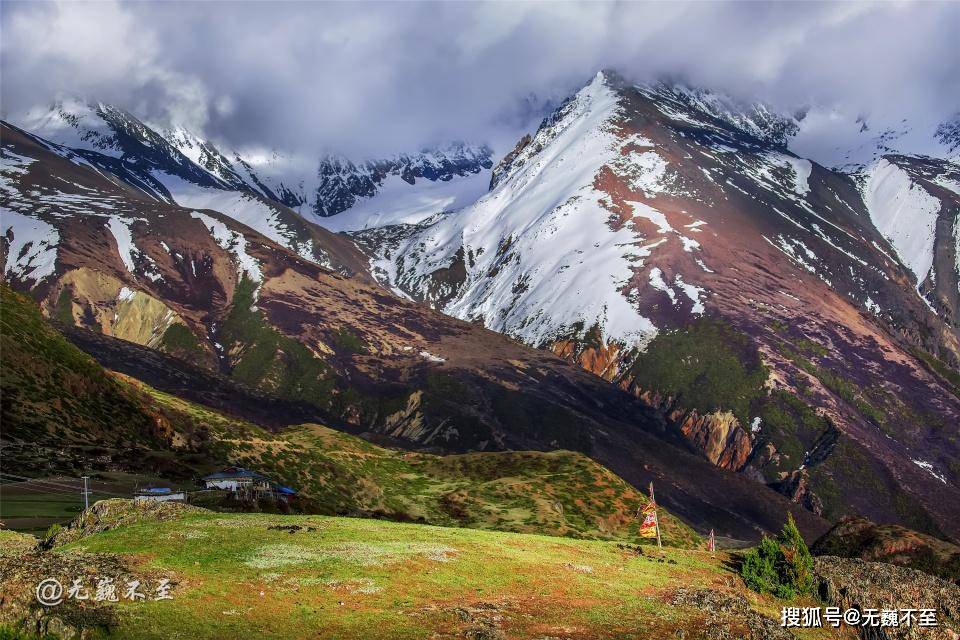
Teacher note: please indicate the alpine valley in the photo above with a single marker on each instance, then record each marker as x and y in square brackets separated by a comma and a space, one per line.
[652, 278]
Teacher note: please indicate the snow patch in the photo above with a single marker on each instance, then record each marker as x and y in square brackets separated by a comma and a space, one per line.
[32, 252]
[126, 294]
[644, 172]
[904, 213]
[641, 210]
[247, 209]
[426, 355]
[234, 242]
[693, 292]
[658, 283]
[120, 228]
[928, 467]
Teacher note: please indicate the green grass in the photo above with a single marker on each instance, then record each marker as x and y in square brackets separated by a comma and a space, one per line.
[349, 342]
[792, 426]
[949, 374]
[180, 341]
[353, 578]
[55, 394]
[263, 357]
[864, 400]
[560, 492]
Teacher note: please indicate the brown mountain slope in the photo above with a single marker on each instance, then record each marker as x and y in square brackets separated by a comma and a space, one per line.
[200, 285]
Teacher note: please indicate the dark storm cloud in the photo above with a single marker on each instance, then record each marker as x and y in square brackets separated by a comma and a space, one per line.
[365, 78]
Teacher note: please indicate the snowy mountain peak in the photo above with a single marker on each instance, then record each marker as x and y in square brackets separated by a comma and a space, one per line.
[948, 134]
[343, 183]
[755, 119]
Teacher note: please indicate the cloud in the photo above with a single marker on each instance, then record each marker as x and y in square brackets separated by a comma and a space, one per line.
[374, 78]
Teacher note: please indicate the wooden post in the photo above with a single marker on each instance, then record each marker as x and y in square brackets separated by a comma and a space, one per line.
[656, 516]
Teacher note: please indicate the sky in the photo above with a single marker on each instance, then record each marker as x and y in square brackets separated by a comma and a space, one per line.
[368, 79]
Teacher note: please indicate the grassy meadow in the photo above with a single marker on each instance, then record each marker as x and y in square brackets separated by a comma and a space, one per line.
[273, 576]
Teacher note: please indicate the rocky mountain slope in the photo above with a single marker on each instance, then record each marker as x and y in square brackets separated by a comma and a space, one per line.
[102, 256]
[892, 544]
[791, 322]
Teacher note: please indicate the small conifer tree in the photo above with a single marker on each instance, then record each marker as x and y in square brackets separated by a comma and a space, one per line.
[782, 566]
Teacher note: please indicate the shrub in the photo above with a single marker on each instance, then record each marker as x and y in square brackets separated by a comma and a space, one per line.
[781, 566]
[53, 530]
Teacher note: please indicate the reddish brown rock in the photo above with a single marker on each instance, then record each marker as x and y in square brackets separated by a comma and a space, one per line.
[718, 436]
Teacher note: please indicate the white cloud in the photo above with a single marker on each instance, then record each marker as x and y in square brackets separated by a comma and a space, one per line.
[380, 77]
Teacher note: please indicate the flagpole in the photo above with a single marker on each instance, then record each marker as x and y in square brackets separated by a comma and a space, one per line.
[656, 516]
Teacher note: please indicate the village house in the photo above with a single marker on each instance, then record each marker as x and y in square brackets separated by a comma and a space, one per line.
[247, 483]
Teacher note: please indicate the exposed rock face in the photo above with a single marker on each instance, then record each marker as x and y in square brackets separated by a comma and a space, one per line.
[75, 619]
[272, 317]
[72, 619]
[717, 436]
[503, 167]
[797, 487]
[635, 212]
[851, 583]
[602, 360]
[343, 183]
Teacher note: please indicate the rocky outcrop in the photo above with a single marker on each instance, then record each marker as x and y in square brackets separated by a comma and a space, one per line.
[602, 360]
[850, 583]
[796, 486]
[716, 435]
[503, 167]
[71, 619]
[729, 616]
[110, 514]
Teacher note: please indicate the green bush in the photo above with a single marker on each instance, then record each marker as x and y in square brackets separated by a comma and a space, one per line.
[781, 566]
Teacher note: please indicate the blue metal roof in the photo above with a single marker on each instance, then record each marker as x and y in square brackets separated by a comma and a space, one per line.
[157, 490]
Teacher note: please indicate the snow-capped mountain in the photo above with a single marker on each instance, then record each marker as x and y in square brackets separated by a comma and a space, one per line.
[915, 203]
[636, 217]
[401, 188]
[260, 189]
